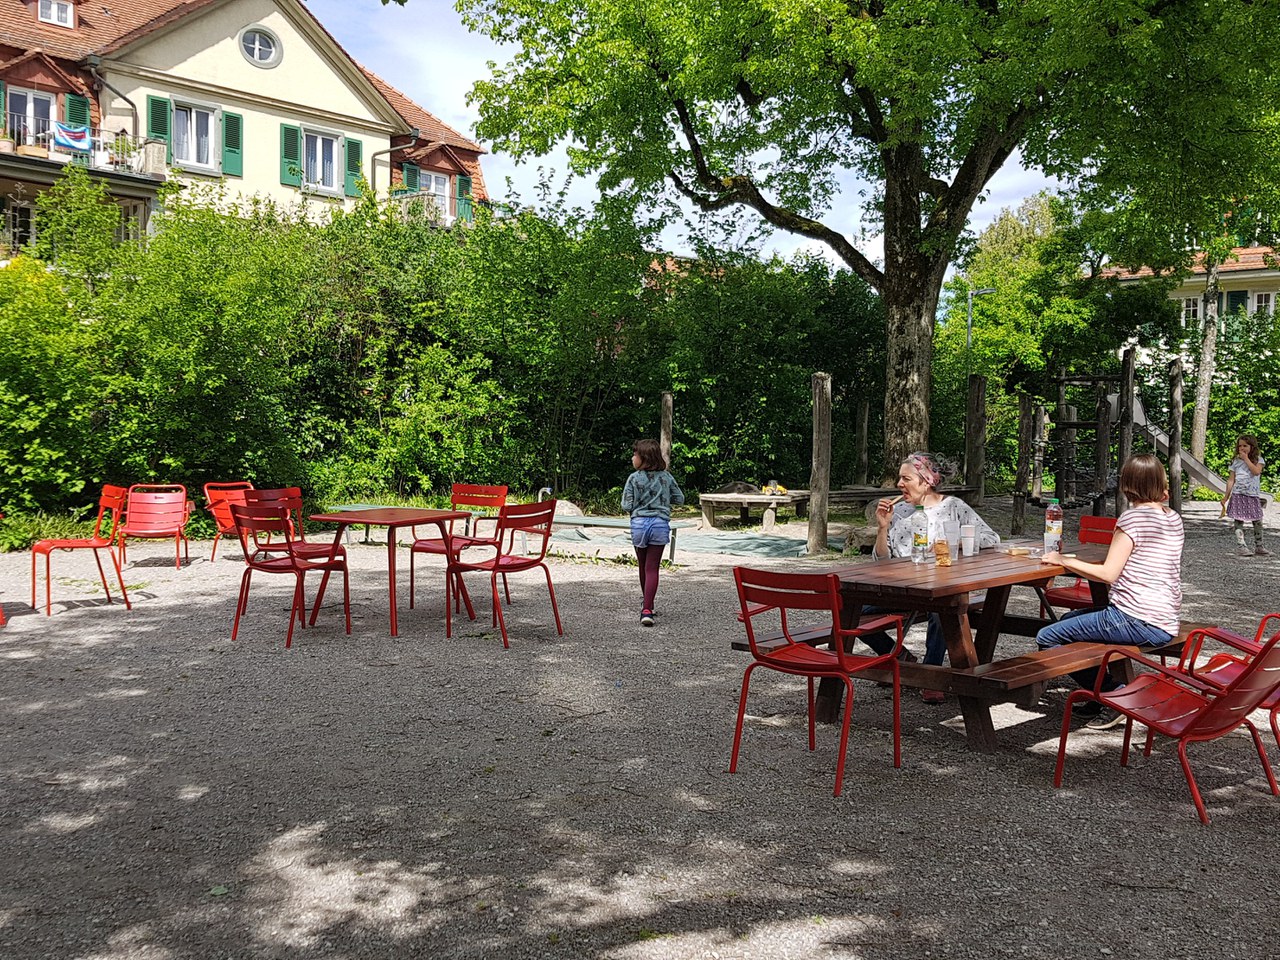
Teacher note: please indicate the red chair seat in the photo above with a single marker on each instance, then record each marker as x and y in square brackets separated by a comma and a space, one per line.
[462, 495]
[111, 502]
[1076, 596]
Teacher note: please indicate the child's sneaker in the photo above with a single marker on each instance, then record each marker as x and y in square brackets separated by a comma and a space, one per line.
[646, 618]
[1244, 551]
[1262, 552]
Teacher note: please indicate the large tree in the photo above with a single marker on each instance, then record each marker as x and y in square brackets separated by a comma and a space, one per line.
[776, 106]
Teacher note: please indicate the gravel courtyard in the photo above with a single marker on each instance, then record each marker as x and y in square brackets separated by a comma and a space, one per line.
[169, 794]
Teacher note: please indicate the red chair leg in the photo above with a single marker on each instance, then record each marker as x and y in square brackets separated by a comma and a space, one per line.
[120, 580]
[241, 602]
[506, 588]
[295, 612]
[1275, 727]
[346, 598]
[497, 613]
[844, 734]
[411, 553]
[214, 555]
[1066, 729]
[1262, 755]
[555, 610]
[897, 704]
[1191, 781]
[102, 575]
[742, 712]
[813, 741]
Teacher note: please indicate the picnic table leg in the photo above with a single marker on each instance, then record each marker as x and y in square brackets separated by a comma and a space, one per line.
[826, 705]
[770, 518]
[671, 552]
[709, 514]
[802, 509]
[744, 513]
[979, 731]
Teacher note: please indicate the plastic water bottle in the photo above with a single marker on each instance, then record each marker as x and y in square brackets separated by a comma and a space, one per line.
[920, 536]
[1053, 527]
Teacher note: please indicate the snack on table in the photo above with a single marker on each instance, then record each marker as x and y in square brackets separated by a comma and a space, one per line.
[1019, 552]
[942, 552]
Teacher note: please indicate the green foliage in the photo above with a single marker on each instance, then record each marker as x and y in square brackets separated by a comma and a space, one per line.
[20, 530]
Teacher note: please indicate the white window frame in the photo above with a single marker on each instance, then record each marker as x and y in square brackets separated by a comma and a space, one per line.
[49, 11]
[214, 166]
[1191, 310]
[1264, 302]
[276, 51]
[27, 131]
[10, 225]
[337, 189]
[434, 187]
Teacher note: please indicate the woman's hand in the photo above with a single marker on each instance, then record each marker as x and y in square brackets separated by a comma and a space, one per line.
[1053, 556]
[884, 512]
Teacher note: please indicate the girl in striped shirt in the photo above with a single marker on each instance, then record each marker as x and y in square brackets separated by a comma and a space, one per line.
[1143, 566]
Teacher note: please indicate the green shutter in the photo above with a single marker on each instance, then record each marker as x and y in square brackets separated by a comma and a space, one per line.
[411, 176]
[4, 113]
[354, 150]
[232, 145]
[159, 115]
[290, 155]
[465, 211]
[1237, 299]
[75, 109]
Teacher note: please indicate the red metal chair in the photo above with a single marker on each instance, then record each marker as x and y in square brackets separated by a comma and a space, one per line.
[1222, 668]
[1077, 595]
[1186, 708]
[110, 502]
[218, 499]
[528, 520]
[462, 496]
[291, 499]
[266, 537]
[156, 511]
[761, 593]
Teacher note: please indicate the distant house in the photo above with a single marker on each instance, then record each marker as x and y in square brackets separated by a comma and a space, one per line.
[253, 92]
[1250, 282]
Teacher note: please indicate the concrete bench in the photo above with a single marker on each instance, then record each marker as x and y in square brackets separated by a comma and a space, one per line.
[745, 501]
[622, 523]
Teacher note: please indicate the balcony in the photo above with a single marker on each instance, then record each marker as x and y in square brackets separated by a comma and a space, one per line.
[90, 147]
[433, 205]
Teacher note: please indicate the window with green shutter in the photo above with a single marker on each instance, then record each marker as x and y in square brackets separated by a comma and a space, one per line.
[75, 109]
[354, 156]
[411, 176]
[465, 210]
[290, 155]
[232, 145]
[159, 110]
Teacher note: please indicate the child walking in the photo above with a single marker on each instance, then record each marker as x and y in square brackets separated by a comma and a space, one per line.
[648, 497]
[1243, 499]
[1144, 568]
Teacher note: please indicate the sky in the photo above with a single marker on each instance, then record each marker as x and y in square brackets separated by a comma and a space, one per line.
[423, 49]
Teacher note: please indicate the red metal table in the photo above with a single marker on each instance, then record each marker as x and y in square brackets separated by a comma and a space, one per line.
[393, 518]
[946, 591]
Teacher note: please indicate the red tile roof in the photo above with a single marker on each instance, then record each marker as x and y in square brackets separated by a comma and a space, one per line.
[1247, 258]
[99, 25]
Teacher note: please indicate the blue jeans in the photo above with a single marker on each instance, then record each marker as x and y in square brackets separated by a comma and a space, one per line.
[1107, 625]
[935, 644]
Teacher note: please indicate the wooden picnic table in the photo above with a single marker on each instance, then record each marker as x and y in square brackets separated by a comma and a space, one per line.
[745, 501]
[948, 591]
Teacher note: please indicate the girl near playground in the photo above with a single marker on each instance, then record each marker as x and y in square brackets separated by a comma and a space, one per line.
[1144, 568]
[648, 496]
[1243, 499]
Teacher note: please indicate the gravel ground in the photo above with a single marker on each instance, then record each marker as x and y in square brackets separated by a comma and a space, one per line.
[169, 794]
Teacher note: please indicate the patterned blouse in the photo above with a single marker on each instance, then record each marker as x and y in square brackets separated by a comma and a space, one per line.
[951, 508]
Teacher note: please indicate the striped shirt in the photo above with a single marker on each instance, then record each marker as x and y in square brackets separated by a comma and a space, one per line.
[1150, 585]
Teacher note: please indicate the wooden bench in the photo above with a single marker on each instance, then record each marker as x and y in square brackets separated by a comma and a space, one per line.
[622, 523]
[745, 501]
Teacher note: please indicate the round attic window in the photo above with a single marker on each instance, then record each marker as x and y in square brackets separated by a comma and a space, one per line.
[260, 46]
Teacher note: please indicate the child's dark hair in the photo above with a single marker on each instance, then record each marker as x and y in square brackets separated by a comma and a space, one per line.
[1252, 441]
[1143, 480]
[650, 454]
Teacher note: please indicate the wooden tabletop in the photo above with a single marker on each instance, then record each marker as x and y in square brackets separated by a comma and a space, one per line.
[389, 516]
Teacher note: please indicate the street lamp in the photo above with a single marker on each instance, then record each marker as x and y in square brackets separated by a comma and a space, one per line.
[968, 326]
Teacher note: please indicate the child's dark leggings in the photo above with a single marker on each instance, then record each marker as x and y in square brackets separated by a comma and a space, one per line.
[650, 559]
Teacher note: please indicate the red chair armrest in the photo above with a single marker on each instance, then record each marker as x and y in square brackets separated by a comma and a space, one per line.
[1179, 676]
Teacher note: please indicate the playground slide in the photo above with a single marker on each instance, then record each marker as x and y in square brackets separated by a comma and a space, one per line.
[1192, 467]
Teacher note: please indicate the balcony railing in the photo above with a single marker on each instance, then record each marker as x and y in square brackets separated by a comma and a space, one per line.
[90, 146]
[432, 204]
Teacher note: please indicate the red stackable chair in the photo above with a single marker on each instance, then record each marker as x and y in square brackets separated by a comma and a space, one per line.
[156, 511]
[1077, 595]
[1186, 707]
[218, 498]
[1222, 668]
[266, 537]
[818, 594]
[463, 495]
[110, 502]
[529, 521]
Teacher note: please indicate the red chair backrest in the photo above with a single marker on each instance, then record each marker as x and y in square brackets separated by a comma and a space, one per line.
[288, 497]
[1097, 529]
[762, 593]
[1232, 707]
[156, 507]
[478, 495]
[533, 519]
[111, 501]
[219, 497]
[252, 521]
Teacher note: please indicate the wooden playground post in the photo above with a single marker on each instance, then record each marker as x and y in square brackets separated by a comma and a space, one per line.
[975, 437]
[664, 441]
[1037, 445]
[1102, 453]
[1175, 434]
[1060, 417]
[820, 475]
[1024, 460]
[864, 423]
[1124, 445]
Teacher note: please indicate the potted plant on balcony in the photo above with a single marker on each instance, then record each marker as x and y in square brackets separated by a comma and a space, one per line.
[6, 142]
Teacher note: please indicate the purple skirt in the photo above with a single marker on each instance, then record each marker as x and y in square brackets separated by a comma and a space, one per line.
[1241, 506]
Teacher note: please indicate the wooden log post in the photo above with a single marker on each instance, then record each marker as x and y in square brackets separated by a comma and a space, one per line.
[664, 440]
[1025, 427]
[1040, 429]
[820, 474]
[1102, 453]
[864, 424]
[1124, 443]
[975, 438]
[1059, 417]
[1069, 438]
[1175, 434]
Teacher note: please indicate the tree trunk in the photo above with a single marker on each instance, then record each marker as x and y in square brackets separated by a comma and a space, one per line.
[910, 299]
[1204, 369]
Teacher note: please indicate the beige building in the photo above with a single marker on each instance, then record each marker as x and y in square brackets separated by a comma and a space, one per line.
[1249, 282]
[252, 93]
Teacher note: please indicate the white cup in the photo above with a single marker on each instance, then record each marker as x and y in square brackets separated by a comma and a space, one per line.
[968, 539]
[951, 530]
